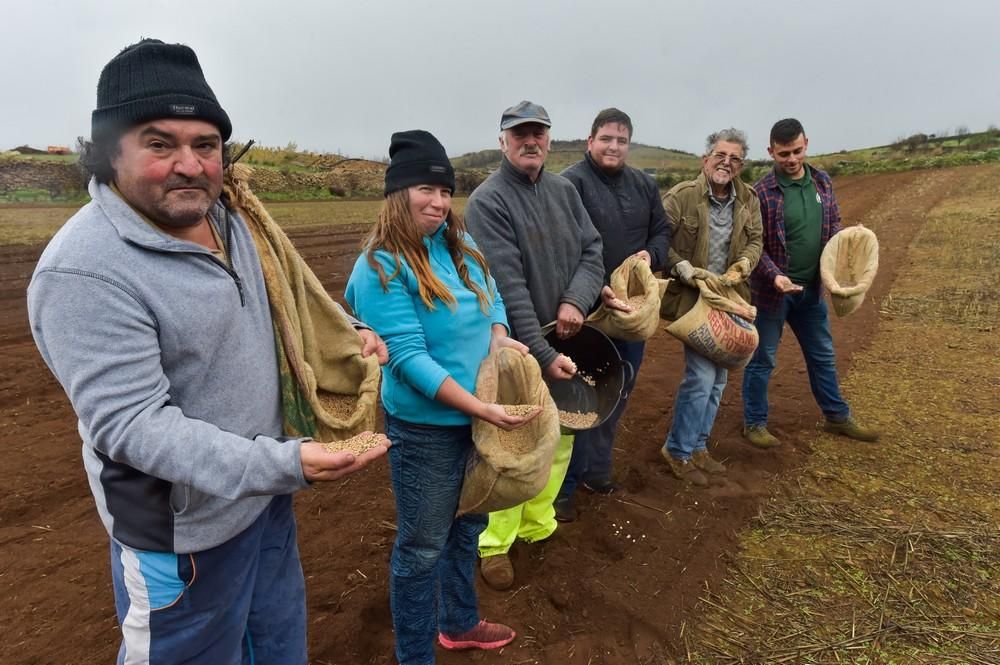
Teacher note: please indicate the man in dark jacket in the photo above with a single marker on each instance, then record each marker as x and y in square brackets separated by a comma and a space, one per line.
[624, 204]
[800, 215]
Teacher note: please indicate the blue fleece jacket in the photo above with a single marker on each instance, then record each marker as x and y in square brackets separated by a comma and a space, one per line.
[426, 345]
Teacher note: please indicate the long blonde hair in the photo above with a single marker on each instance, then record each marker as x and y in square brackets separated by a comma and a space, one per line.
[396, 233]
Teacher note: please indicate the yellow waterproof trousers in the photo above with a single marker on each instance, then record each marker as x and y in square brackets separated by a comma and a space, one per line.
[532, 520]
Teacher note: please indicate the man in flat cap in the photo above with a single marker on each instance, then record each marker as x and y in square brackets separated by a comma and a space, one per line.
[150, 308]
[546, 257]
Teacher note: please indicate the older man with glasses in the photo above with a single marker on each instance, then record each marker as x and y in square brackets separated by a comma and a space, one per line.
[715, 228]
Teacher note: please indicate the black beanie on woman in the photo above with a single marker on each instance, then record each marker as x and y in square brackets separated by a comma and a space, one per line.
[152, 80]
[417, 158]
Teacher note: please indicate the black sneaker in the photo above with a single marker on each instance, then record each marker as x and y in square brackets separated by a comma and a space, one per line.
[565, 508]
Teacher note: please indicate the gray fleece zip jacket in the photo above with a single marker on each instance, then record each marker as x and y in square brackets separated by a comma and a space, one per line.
[541, 247]
[168, 358]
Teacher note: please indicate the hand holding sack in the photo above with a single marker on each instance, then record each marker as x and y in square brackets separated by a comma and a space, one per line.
[848, 266]
[634, 284]
[719, 326]
[736, 273]
[508, 468]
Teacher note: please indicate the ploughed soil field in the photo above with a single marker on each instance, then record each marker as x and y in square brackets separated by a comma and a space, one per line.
[618, 586]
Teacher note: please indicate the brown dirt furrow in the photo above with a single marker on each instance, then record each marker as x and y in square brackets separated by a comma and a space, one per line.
[615, 587]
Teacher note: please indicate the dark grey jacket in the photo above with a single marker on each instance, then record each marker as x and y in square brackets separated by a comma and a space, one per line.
[541, 247]
[627, 211]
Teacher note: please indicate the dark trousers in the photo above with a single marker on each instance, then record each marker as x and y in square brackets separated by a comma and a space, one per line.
[592, 449]
[242, 602]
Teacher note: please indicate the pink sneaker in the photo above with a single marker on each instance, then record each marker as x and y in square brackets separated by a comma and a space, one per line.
[484, 635]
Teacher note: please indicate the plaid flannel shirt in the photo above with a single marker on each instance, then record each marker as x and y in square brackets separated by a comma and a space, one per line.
[774, 258]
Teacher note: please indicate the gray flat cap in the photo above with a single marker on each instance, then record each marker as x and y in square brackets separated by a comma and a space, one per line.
[522, 113]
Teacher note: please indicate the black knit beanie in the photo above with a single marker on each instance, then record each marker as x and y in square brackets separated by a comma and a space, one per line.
[151, 80]
[417, 158]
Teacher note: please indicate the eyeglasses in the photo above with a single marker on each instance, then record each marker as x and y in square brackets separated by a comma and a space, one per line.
[722, 157]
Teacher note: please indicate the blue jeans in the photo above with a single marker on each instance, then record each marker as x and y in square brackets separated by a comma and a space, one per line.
[696, 405]
[432, 571]
[243, 601]
[591, 460]
[807, 316]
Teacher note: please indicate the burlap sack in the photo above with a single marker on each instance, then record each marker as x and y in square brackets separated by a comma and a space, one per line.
[719, 326]
[848, 266]
[508, 468]
[634, 283]
[329, 391]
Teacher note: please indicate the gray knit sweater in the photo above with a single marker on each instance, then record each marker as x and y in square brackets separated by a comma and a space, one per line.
[542, 249]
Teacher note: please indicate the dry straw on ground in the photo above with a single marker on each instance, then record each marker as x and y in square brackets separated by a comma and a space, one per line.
[890, 552]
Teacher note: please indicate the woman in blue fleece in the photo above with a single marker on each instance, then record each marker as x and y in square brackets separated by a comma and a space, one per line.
[422, 285]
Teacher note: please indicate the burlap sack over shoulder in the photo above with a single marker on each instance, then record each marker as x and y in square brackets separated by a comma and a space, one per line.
[633, 282]
[719, 326]
[508, 468]
[848, 266]
[329, 391]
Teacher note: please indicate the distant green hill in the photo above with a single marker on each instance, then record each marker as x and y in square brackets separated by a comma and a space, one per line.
[564, 153]
[918, 151]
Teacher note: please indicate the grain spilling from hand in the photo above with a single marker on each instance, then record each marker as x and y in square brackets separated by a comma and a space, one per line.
[359, 444]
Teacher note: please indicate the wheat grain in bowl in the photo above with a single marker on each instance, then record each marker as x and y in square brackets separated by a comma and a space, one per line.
[577, 420]
[357, 444]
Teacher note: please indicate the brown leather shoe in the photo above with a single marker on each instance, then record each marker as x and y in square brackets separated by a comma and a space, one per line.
[685, 470]
[498, 571]
[704, 461]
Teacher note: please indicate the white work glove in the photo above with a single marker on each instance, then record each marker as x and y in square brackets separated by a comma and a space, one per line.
[685, 272]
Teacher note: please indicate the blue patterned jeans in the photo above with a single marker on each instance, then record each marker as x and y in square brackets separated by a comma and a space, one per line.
[432, 573]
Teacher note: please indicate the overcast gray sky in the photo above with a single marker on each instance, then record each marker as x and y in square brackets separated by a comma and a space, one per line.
[342, 76]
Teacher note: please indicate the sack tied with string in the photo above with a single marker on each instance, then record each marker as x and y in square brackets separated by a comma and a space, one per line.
[848, 266]
[719, 326]
[633, 282]
[508, 468]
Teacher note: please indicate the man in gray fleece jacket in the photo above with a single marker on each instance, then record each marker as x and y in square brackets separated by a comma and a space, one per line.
[150, 308]
[546, 257]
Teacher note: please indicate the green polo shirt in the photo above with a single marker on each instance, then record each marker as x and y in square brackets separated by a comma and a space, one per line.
[803, 226]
